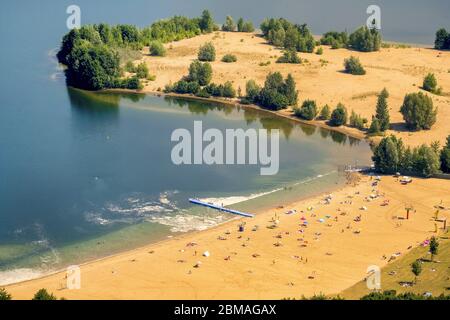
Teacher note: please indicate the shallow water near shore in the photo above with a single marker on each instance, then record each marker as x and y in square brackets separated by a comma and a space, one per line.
[108, 183]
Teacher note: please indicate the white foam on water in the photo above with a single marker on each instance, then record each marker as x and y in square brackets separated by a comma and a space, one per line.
[21, 274]
[227, 201]
[185, 223]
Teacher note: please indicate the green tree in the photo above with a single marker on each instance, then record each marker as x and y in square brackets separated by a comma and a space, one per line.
[434, 247]
[416, 269]
[445, 157]
[200, 73]
[418, 111]
[142, 71]
[353, 66]
[157, 49]
[325, 113]
[4, 295]
[289, 56]
[228, 90]
[290, 90]
[229, 24]
[248, 27]
[43, 295]
[307, 111]
[375, 127]
[339, 116]
[425, 161]
[240, 25]
[207, 52]
[442, 40]
[388, 155]
[430, 83]
[252, 90]
[365, 39]
[206, 22]
[382, 110]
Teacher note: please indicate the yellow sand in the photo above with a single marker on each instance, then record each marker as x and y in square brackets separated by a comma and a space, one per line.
[328, 257]
[401, 71]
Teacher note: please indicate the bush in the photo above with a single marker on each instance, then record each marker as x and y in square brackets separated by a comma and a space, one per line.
[142, 71]
[43, 295]
[307, 111]
[418, 111]
[354, 66]
[365, 39]
[289, 56]
[319, 51]
[325, 113]
[207, 52]
[339, 116]
[186, 87]
[382, 111]
[157, 49]
[203, 93]
[229, 58]
[200, 72]
[357, 121]
[335, 39]
[375, 127]
[228, 90]
[430, 83]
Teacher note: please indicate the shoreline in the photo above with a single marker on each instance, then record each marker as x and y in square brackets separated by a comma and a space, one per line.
[332, 188]
[334, 260]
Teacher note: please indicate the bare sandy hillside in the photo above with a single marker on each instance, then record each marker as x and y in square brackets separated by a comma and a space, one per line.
[320, 77]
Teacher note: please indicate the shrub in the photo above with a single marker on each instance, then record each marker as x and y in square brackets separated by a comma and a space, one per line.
[129, 67]
[418, 111]
[354, 66]
[289, 56]
[325, 113]
[207, 52]
[335, 39]
[186, 87]
[142, 71]
[365, 39]
[319, 51]
[339, 116]
[430, 84]
[157, 49]
[375, 128]
[442, 41]
[229, 58]
[200, 72]
[307, 111]
[357, 121]
[203, 93]
[228, 90]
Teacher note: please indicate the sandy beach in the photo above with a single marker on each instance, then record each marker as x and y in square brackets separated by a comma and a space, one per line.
[324, 246]
[320, 77]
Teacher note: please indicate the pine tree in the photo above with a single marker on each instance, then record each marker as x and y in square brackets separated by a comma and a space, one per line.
[382, 111]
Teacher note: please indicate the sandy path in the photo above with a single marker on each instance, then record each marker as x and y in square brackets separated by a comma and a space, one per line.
[325, 257]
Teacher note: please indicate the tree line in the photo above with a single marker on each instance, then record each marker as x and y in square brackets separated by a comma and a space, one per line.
[91, 56]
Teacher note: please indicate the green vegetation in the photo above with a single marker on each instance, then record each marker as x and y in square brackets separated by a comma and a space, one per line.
[365, 40]
[391, 156]
[245, 26]
[229, 58]
[335, 39]
[418, 111]
[276, 94]
[200, 72]
[44, 295]
[430, 84]
[382, 111]
[416, 269]
[433, 278]
[357, 121]
[319, 51]
[307, 111]
[282, 33]
[442, 41]
[157, 49]
[434, 246]
[4, 295]
[229, 24]
[445, 157]
[91, 53]
[325, 113]
[353, 66]
[222, 90]
[339, 116]
[375, 127]
[207, 52]
[289, 56]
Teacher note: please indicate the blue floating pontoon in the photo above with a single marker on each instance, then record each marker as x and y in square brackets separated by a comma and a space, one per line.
[216, 207]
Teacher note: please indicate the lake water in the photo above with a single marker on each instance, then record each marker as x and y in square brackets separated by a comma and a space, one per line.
[84, 175]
